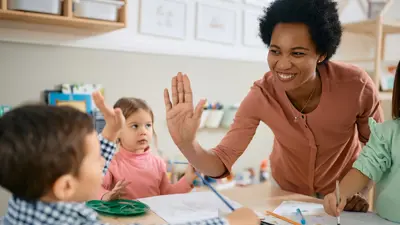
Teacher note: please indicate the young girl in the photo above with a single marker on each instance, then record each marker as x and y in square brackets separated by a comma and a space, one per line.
[379, 161]
[134, 171]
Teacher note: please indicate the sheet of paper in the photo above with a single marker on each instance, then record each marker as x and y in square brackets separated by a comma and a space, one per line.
[288, 208]
[349, 218]
[193, 206]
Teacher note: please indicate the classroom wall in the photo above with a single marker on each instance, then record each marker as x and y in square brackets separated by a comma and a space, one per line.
[26, 70]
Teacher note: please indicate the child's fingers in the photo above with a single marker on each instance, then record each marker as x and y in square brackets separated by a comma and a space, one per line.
[330, 205]
[167, 101]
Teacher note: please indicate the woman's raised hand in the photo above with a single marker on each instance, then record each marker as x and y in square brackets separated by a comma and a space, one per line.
[182, 119]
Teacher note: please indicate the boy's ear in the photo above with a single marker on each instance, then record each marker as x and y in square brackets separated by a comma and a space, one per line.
[65, 187]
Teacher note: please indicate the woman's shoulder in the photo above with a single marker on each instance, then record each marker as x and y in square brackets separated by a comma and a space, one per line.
[345, 72]
[265, 85]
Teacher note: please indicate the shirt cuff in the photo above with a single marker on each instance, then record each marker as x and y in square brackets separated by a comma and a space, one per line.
[106, 141]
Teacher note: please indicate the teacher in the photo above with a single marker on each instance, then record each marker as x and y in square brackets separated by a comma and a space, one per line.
[317, 109]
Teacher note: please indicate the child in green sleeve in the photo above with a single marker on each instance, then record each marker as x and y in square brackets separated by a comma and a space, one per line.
[379, 161]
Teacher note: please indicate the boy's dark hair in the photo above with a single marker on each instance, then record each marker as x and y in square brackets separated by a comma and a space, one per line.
[321, 17]
[396, 94]
[39, 144]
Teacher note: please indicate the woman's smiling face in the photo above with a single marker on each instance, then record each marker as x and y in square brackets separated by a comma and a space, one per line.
[292, 55]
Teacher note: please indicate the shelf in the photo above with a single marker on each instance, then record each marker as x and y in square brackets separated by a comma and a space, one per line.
[59, 20]
[65, 20]
[389, 26]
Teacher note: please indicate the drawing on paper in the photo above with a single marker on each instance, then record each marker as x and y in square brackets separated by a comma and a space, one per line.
[215, 24]
[163, 18]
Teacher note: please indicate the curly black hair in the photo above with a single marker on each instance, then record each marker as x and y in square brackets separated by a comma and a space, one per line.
[321, 16]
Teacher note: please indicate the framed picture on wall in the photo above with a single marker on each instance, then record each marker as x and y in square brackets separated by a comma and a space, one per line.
[215, 24]
[261, 3]
[166, 18]
[251, 36]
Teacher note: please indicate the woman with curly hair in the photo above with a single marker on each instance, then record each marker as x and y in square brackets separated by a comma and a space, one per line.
[317, 109]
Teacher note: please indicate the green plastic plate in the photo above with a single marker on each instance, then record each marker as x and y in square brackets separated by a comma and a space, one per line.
[120, 207]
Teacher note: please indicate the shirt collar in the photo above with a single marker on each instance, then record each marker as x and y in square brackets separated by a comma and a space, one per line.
[37, 212]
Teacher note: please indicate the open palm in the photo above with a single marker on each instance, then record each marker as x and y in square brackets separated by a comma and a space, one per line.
[182, 119]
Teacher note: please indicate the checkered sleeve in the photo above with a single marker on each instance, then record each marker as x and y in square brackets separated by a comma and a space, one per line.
[107, 149]
[214, 221]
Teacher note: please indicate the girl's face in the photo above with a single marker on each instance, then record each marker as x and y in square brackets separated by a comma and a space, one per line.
[292, 55]
[138, 131]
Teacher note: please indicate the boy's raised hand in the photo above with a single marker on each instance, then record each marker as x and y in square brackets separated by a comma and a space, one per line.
[114, 118]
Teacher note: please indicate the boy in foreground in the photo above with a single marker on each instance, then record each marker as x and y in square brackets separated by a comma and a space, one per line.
[52, 161]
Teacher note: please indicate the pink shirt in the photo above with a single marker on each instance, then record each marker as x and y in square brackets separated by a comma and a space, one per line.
[145, 171]
[309, 155]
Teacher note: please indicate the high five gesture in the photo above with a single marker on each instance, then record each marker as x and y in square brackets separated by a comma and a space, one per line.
[182, 119]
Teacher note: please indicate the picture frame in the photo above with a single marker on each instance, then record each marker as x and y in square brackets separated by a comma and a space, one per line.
[251, 29]
[216, 24]
[233, 1]
[261, 3]
[163, 18]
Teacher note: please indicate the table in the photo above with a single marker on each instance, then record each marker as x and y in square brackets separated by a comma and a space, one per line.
[259, 197]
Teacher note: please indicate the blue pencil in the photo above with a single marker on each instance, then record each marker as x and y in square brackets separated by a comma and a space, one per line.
[215, 191]
[302, 220]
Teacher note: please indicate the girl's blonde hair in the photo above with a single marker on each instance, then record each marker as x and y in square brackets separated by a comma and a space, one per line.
[130, 106]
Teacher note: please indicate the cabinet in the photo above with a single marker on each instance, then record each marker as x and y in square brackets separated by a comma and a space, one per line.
[66, 19]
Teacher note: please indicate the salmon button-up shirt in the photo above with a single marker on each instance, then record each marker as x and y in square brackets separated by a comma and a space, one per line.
[309, 155]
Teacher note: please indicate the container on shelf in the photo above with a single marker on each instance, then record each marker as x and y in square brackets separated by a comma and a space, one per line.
[97, 9]
[214, 118]
[40, 6]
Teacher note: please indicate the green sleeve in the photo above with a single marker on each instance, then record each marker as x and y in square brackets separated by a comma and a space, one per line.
[375, 158]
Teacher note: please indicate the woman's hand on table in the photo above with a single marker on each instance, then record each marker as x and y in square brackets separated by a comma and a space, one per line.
[243, 216]
[182, 119]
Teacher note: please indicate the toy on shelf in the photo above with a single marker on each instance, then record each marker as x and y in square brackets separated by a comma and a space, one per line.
[264, 171]
[212, 115]
[246, 177]
[4, 109]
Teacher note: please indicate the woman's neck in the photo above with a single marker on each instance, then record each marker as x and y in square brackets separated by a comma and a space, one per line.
[303, 93]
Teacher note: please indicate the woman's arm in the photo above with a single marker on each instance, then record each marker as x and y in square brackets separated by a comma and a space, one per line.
[218, 161]
[369, 107]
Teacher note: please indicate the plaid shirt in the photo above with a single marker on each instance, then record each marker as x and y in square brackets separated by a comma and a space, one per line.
[21, 212]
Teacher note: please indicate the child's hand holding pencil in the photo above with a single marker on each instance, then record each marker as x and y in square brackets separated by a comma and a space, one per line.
[332, 206]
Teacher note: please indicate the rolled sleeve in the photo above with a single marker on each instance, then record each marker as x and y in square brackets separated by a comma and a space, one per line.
[375, 158]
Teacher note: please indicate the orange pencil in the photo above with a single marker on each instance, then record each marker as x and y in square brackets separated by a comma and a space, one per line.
[281, 217]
